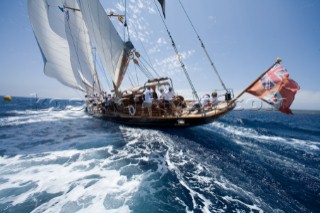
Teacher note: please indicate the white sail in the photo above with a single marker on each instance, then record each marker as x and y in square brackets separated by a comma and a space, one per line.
[112, 50]
[79, 44]
[54, 48]
[56, 17]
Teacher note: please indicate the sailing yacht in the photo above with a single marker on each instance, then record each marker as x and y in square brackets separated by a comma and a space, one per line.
[72, 34]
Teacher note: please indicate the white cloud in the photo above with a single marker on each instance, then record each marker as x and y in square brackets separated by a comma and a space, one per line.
[212, 19]
[161, 41]
[151, 10]
[120, 7]
[307, 99]
[171, 64]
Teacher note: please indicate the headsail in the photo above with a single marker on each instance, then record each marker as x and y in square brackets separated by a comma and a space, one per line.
[113, 51]
[54, 48]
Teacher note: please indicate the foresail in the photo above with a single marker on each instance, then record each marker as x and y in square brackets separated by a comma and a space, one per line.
[80, 46]
[54, 48]
[112, 50]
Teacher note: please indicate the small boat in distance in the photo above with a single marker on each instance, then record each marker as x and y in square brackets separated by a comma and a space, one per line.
[72, 34]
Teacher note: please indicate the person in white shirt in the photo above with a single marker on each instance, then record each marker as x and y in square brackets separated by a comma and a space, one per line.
[214, 99]
[168, 100]
[104, 94]
[204, 101]
[95, 99]
[162, 95]
[147, 103]
[169, 95]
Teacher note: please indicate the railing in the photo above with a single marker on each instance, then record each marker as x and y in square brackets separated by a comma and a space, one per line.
[228, 95]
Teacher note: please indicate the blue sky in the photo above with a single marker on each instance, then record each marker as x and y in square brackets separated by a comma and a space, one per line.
[243, 37]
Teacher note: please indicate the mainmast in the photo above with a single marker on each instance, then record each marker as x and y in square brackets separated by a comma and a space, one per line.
[194, 92]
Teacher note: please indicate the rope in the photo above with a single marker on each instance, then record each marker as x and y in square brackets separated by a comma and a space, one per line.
[145, 71]
[179, 56]
[75, 47]
[135, 68]
[204, 48]
[130, 80]
[105, 75]
[143, 47]
[150, 66]
[126, 26]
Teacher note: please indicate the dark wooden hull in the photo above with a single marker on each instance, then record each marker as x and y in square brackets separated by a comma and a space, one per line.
[166, 122]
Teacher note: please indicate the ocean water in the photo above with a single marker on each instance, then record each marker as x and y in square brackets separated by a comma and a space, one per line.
[56, 158]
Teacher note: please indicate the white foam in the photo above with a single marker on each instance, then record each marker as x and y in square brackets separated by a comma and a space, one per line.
[37, 116]
[241, 132]
[77, 180]
[251, 207]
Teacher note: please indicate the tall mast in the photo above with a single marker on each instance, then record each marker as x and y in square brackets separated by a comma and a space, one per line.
[194, 92]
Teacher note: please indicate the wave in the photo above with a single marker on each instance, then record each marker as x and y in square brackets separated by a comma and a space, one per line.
[249, 136]
[14, 118]
[67, 161]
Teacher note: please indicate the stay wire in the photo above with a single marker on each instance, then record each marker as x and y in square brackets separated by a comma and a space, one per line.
[179, 56]
[204, 48]
[149, 62]
[144, 60]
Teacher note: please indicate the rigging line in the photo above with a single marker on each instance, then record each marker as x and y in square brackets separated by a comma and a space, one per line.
[105, 75]
[99, 31]
[103, 49]
[135, 68]
[126, 26]
[150, 66]
[133, 73]
[129, 77]
[95, 69]
[89, 45]
[125, 17]
[75, 47]
[147, 74]
[179, 56]
[150, 63]
[143, 47]
[146, 69]
[204, 48]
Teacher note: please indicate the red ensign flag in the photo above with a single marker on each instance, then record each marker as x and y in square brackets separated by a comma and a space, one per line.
[276, 88]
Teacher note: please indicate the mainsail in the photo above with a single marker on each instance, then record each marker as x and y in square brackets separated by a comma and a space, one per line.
[113, 51]
[79, 44]
[54, 48]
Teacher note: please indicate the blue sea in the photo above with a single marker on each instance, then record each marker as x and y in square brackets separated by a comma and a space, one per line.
[56, 158]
